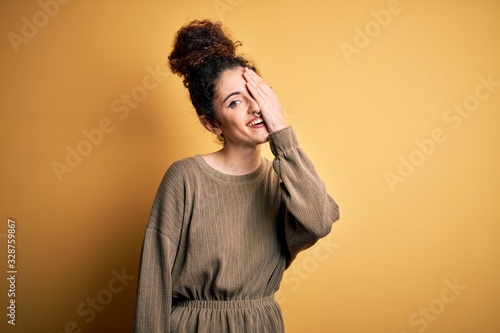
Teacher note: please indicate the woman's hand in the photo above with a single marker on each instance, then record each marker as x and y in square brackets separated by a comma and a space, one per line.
[269, 104]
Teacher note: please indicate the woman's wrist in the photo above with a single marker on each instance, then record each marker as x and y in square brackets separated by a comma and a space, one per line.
[275, 126]
[282, 140]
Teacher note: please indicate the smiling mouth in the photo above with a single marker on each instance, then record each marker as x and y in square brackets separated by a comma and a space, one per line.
[255, 122]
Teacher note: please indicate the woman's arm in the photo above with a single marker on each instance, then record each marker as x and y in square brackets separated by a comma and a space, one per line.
[154, 292]
[309, 210]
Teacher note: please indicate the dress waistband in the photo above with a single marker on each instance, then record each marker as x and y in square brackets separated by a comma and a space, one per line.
[230, 305]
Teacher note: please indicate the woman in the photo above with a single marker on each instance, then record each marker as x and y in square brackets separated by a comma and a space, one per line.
[225, 226]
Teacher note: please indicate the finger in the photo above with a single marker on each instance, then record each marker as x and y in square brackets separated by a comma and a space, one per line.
[251, 76]
[258, 87]
[259, 82]
[253, 86]
[258, 93]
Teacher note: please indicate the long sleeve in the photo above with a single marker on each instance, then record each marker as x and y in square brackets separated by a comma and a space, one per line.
[309, 210]
[154, 292]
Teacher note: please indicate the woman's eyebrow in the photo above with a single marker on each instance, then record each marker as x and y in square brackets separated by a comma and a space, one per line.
[231, 94]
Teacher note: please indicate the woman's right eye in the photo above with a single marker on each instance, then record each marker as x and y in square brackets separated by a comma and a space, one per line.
[234, 104]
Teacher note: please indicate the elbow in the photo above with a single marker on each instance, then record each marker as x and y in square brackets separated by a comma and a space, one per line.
[331, 216]
[335, 212]
[324, 229]
[323, 232]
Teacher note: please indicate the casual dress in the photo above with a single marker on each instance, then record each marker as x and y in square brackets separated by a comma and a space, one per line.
[216, 245]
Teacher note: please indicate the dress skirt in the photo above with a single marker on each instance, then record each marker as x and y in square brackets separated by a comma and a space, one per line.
[244, 316]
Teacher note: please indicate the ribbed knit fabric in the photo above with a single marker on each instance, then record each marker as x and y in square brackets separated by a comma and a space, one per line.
[216, 245]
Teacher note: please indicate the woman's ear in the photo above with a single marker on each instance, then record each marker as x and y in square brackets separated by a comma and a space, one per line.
[210, 125]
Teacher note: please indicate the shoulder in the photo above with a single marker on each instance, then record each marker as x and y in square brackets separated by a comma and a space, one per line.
[268, 171]
[183, 165]
[181, 171]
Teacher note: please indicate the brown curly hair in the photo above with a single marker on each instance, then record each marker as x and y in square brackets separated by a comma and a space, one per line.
[202, 51]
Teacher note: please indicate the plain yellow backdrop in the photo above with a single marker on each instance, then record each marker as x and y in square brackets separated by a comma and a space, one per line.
[396, 102]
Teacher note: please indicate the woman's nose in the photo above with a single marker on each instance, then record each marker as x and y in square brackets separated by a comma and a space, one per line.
[254, 107]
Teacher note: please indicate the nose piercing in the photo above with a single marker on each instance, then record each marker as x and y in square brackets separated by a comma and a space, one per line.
[255, 113]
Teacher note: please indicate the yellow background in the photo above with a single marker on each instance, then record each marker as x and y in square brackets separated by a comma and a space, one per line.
[396, 249]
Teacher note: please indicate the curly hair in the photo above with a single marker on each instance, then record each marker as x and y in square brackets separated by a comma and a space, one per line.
[202, 51]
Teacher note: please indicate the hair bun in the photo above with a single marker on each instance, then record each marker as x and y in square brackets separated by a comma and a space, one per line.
[196, 43]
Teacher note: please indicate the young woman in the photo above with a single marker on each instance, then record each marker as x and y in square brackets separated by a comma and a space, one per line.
[224, 226]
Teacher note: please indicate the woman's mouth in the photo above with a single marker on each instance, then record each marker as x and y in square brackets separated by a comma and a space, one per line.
[255, 122]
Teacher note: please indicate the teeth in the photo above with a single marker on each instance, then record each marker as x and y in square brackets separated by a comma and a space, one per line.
[255, 122]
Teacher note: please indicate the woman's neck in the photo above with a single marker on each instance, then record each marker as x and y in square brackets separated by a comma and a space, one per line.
[235, 161]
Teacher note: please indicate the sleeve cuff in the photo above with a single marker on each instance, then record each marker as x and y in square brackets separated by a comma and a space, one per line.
[282, 140]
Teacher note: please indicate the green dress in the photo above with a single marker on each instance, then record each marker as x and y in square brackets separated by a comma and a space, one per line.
[216, 245]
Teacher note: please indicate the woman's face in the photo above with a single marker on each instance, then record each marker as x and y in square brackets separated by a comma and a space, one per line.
[237, 113]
